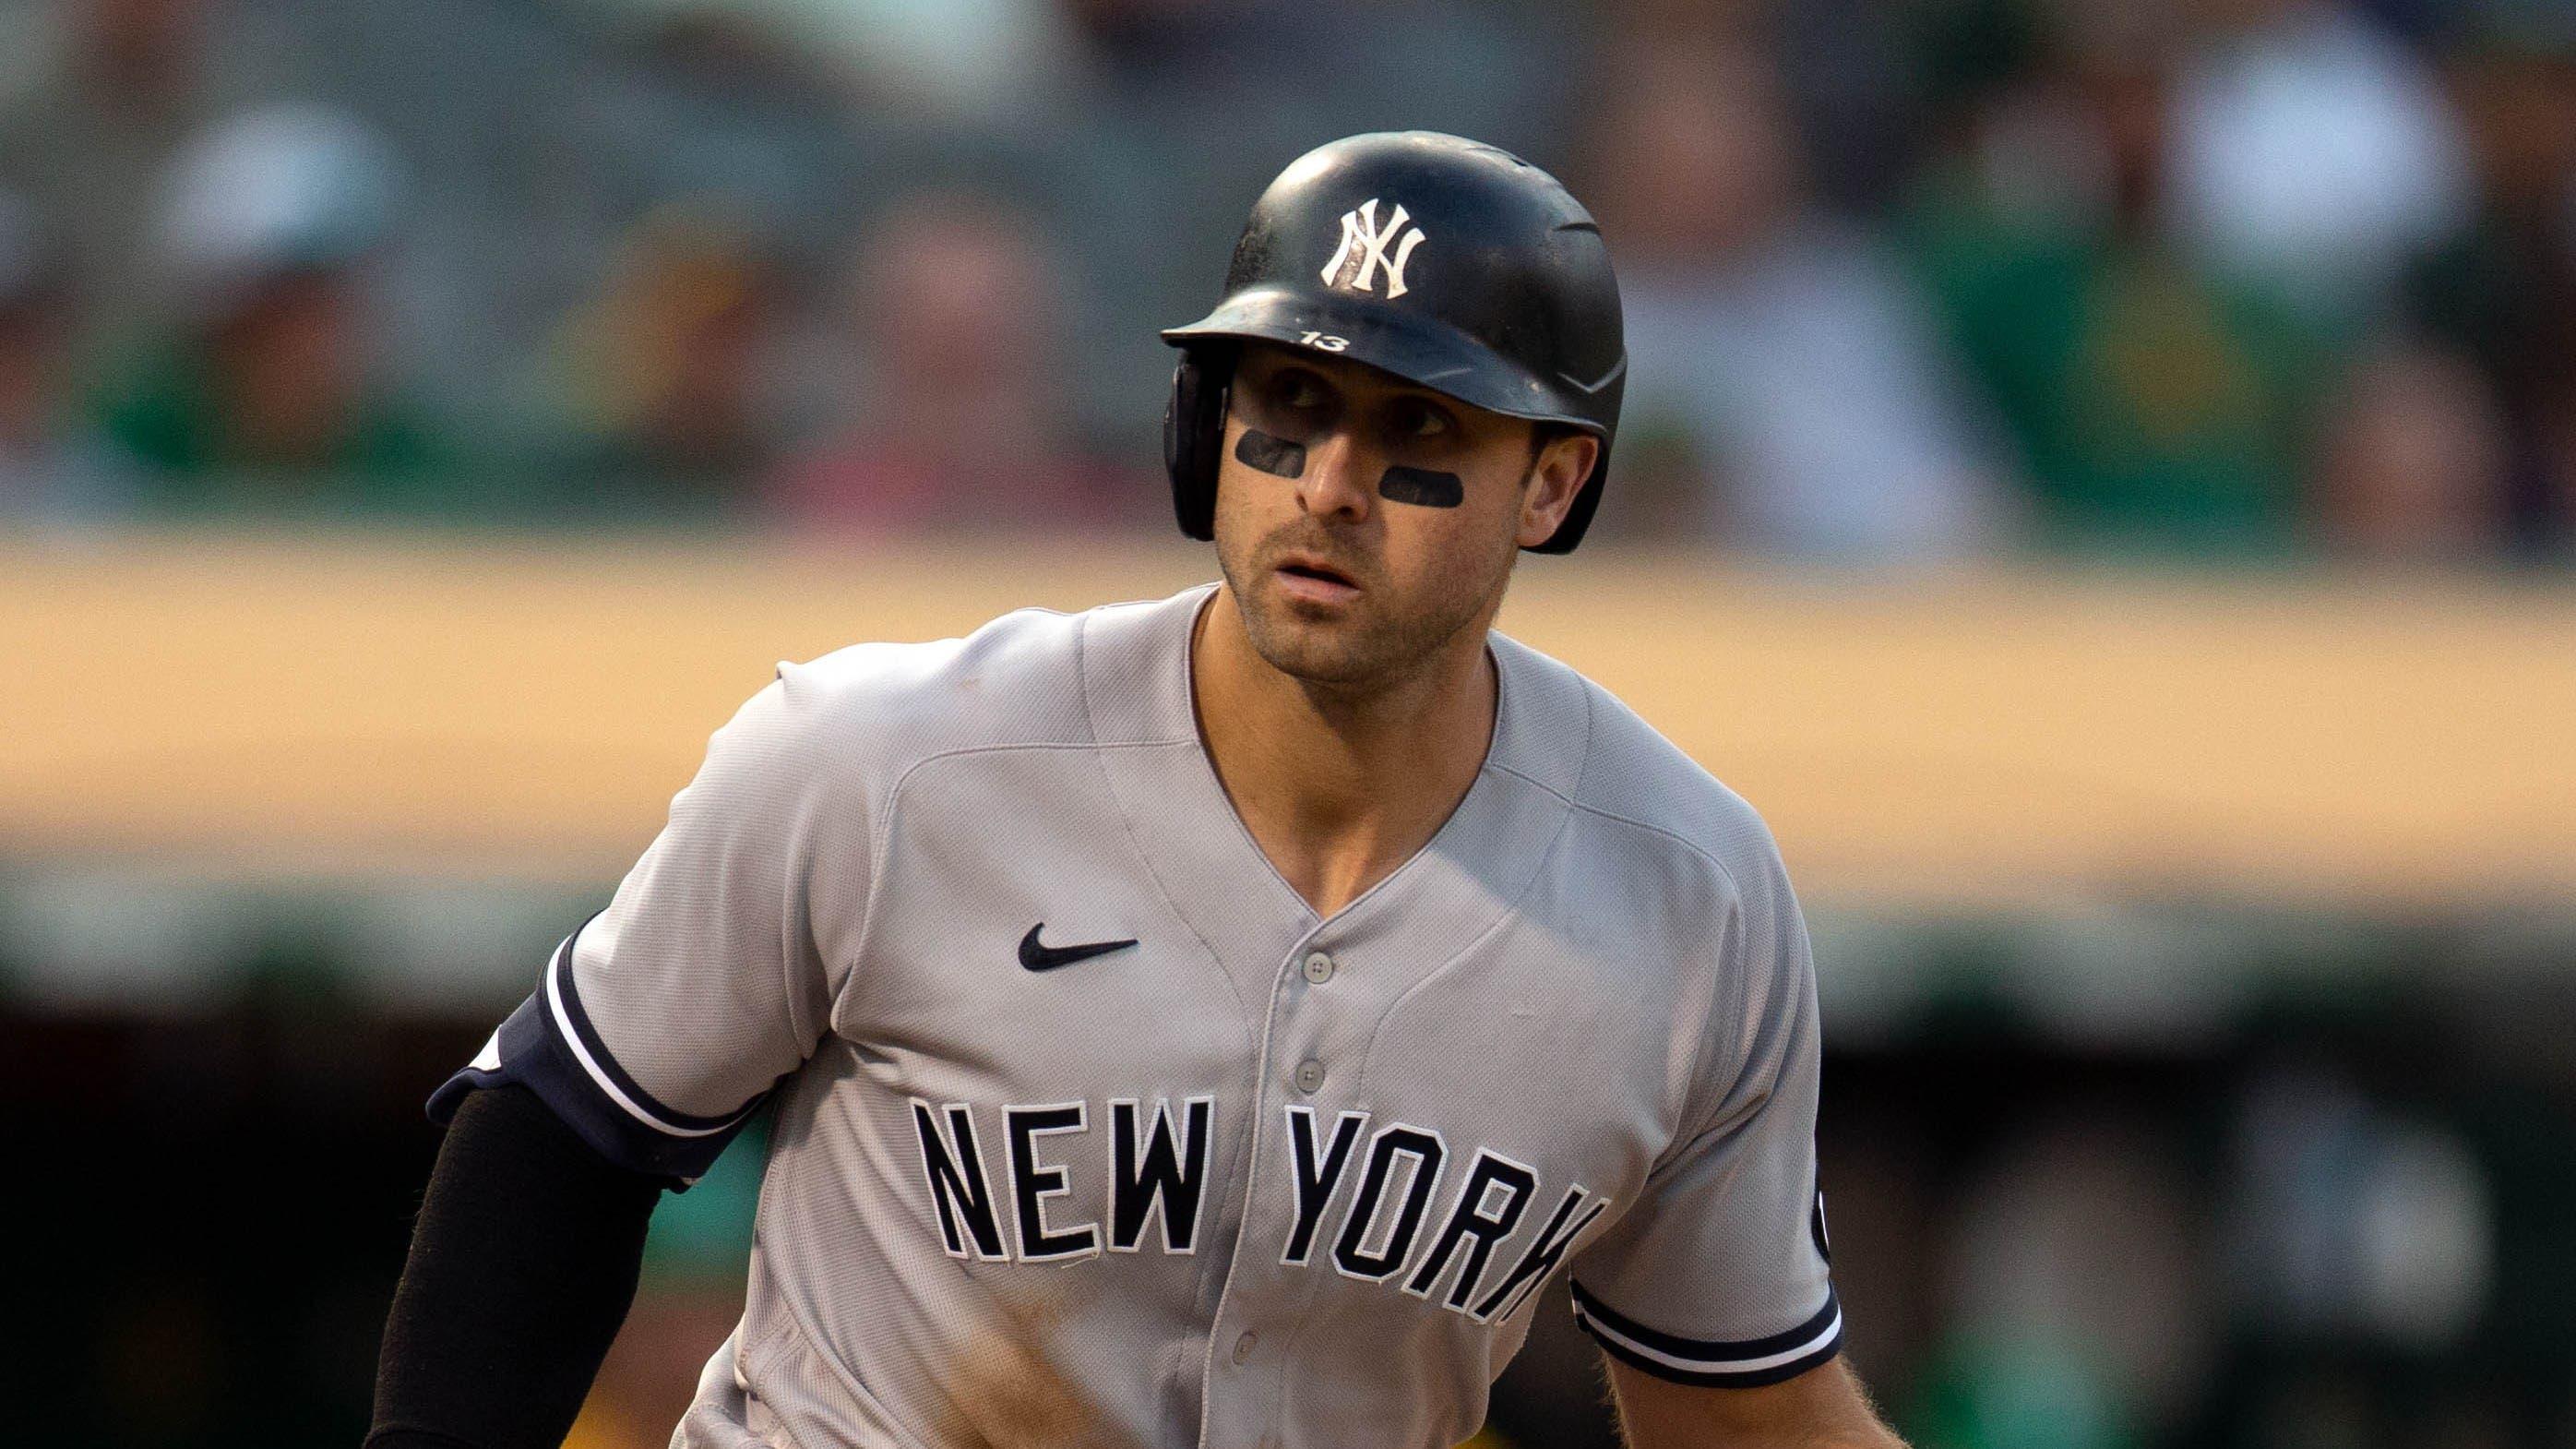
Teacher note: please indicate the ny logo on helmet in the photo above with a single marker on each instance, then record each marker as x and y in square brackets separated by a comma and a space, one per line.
[1363, 249]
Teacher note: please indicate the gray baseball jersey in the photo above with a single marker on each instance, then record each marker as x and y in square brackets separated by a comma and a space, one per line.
[1091, 1132]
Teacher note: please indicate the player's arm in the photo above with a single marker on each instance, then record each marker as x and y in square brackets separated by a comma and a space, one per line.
[1713, 1296]
[1822, 1408]
[655, 1030]
[523, 1264]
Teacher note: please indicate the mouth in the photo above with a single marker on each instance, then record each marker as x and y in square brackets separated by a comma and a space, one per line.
[1305, 577]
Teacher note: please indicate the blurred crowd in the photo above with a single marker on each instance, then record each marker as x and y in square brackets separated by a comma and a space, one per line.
[1905, 280]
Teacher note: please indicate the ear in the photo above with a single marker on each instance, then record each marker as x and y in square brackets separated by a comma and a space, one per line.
[1555, 478]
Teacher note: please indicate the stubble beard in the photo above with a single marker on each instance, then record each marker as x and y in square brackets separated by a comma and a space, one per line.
[1381, 643]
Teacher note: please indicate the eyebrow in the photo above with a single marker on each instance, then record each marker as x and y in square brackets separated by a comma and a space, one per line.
[1395, 389]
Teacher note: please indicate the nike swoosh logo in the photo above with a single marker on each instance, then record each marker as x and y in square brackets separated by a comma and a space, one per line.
[1039, 956]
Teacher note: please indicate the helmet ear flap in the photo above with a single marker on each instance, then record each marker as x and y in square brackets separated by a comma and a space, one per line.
[1193, 432]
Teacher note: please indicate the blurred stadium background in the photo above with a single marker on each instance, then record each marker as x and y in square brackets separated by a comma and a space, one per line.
[2100, 474]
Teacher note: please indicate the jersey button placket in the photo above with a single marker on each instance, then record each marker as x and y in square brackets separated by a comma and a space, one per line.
[1317, 968]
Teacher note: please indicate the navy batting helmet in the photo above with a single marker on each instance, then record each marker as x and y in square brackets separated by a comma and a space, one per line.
[1443, 261]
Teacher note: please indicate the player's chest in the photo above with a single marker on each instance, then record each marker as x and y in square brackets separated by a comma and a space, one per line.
[1115, 1017]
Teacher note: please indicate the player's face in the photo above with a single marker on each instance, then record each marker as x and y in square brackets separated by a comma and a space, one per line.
[1363, 522]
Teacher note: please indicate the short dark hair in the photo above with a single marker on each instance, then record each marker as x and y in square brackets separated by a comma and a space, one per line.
[1542, 434]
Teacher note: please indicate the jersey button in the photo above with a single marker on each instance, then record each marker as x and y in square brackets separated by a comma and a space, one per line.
[1310, 1075]
[1319, 967]
[1243, 1347]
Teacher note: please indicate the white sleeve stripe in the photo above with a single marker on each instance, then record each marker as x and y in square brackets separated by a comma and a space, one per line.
[607, 1085]
[1823, 1336]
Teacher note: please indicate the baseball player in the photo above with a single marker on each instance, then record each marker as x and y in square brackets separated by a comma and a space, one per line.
[1207, 1021]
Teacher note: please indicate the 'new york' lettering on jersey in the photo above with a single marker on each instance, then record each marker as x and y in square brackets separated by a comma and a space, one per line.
[1382, 1222]
[1257, 1177]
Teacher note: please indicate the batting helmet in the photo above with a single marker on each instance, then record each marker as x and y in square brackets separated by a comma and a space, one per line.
[1444, 261]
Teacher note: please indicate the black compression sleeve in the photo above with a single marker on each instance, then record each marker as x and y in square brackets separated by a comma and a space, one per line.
[522, 1267]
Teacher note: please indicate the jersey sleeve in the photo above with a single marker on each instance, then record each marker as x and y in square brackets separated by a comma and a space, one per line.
[1718, 1274]
[659, 1025]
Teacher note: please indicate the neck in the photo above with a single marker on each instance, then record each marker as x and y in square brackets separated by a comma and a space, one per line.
[1340, 784]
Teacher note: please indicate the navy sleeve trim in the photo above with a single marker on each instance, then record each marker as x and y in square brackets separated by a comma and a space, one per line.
[572, 1023]
[1745, 1363]
[550, 1046]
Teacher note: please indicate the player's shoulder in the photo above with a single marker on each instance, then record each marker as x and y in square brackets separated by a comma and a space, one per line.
[1014, 680]
[1628, 778]
[1030, 677]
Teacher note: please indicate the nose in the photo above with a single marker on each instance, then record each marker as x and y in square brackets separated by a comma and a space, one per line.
[1336, 483]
